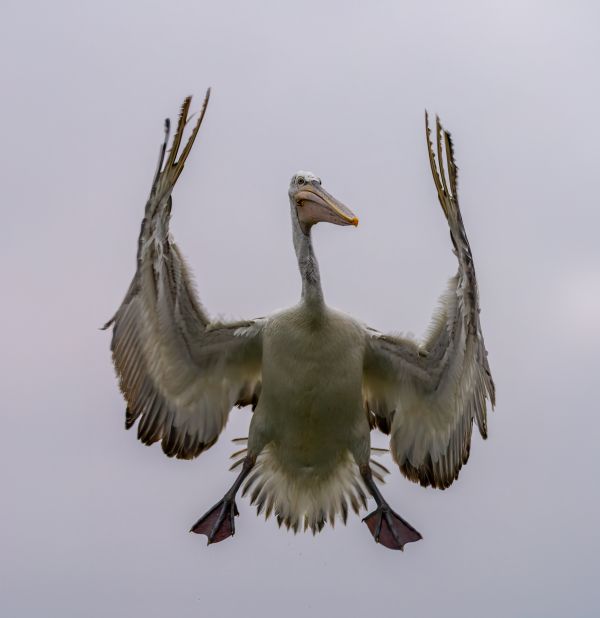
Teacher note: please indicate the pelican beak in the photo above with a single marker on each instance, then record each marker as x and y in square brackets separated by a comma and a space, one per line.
[314, 204]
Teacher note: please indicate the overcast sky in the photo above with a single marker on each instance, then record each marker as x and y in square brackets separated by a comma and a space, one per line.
[94, 523]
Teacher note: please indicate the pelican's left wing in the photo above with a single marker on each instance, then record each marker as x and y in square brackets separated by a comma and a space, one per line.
[427, 396]
[180, 373]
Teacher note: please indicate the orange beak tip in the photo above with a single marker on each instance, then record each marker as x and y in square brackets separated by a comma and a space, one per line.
[355, 222]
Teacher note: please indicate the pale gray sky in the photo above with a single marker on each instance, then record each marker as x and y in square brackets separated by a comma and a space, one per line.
[95, 524]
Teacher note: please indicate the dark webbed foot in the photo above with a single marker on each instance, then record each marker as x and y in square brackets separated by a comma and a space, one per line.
[389, 529]
[219, 523]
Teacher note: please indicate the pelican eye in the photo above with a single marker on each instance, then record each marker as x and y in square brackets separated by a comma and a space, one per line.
[301, 181]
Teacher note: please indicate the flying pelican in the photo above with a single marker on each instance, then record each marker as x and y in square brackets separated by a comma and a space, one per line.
[318, 380]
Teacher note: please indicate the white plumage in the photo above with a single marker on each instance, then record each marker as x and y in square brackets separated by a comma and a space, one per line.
[317, 379]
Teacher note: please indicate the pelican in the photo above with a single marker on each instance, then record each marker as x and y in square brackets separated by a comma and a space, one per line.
[318, 380]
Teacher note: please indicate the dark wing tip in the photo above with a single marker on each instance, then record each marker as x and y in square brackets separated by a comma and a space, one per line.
[109, 323]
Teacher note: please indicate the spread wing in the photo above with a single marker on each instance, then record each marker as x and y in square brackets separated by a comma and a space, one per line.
[427, 396]
[180, 373]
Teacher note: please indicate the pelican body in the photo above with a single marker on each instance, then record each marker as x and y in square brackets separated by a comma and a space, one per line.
[318, 380]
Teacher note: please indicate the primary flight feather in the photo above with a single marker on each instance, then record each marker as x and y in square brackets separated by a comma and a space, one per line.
[318, 381]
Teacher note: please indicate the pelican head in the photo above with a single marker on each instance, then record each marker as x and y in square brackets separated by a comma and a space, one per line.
[313, 204]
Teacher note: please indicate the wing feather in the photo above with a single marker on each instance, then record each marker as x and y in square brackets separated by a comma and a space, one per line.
[180, 373]
[428, 396]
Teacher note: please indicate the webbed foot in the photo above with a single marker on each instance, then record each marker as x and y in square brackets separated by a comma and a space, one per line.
[389, 529]
[218, 524]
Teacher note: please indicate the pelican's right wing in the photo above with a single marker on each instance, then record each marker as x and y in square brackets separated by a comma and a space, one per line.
[180, 373]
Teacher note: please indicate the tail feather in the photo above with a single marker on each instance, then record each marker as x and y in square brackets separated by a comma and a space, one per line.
[302, 500]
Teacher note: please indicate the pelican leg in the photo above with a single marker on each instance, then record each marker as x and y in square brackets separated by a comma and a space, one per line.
[387, 527]
[219, 522]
